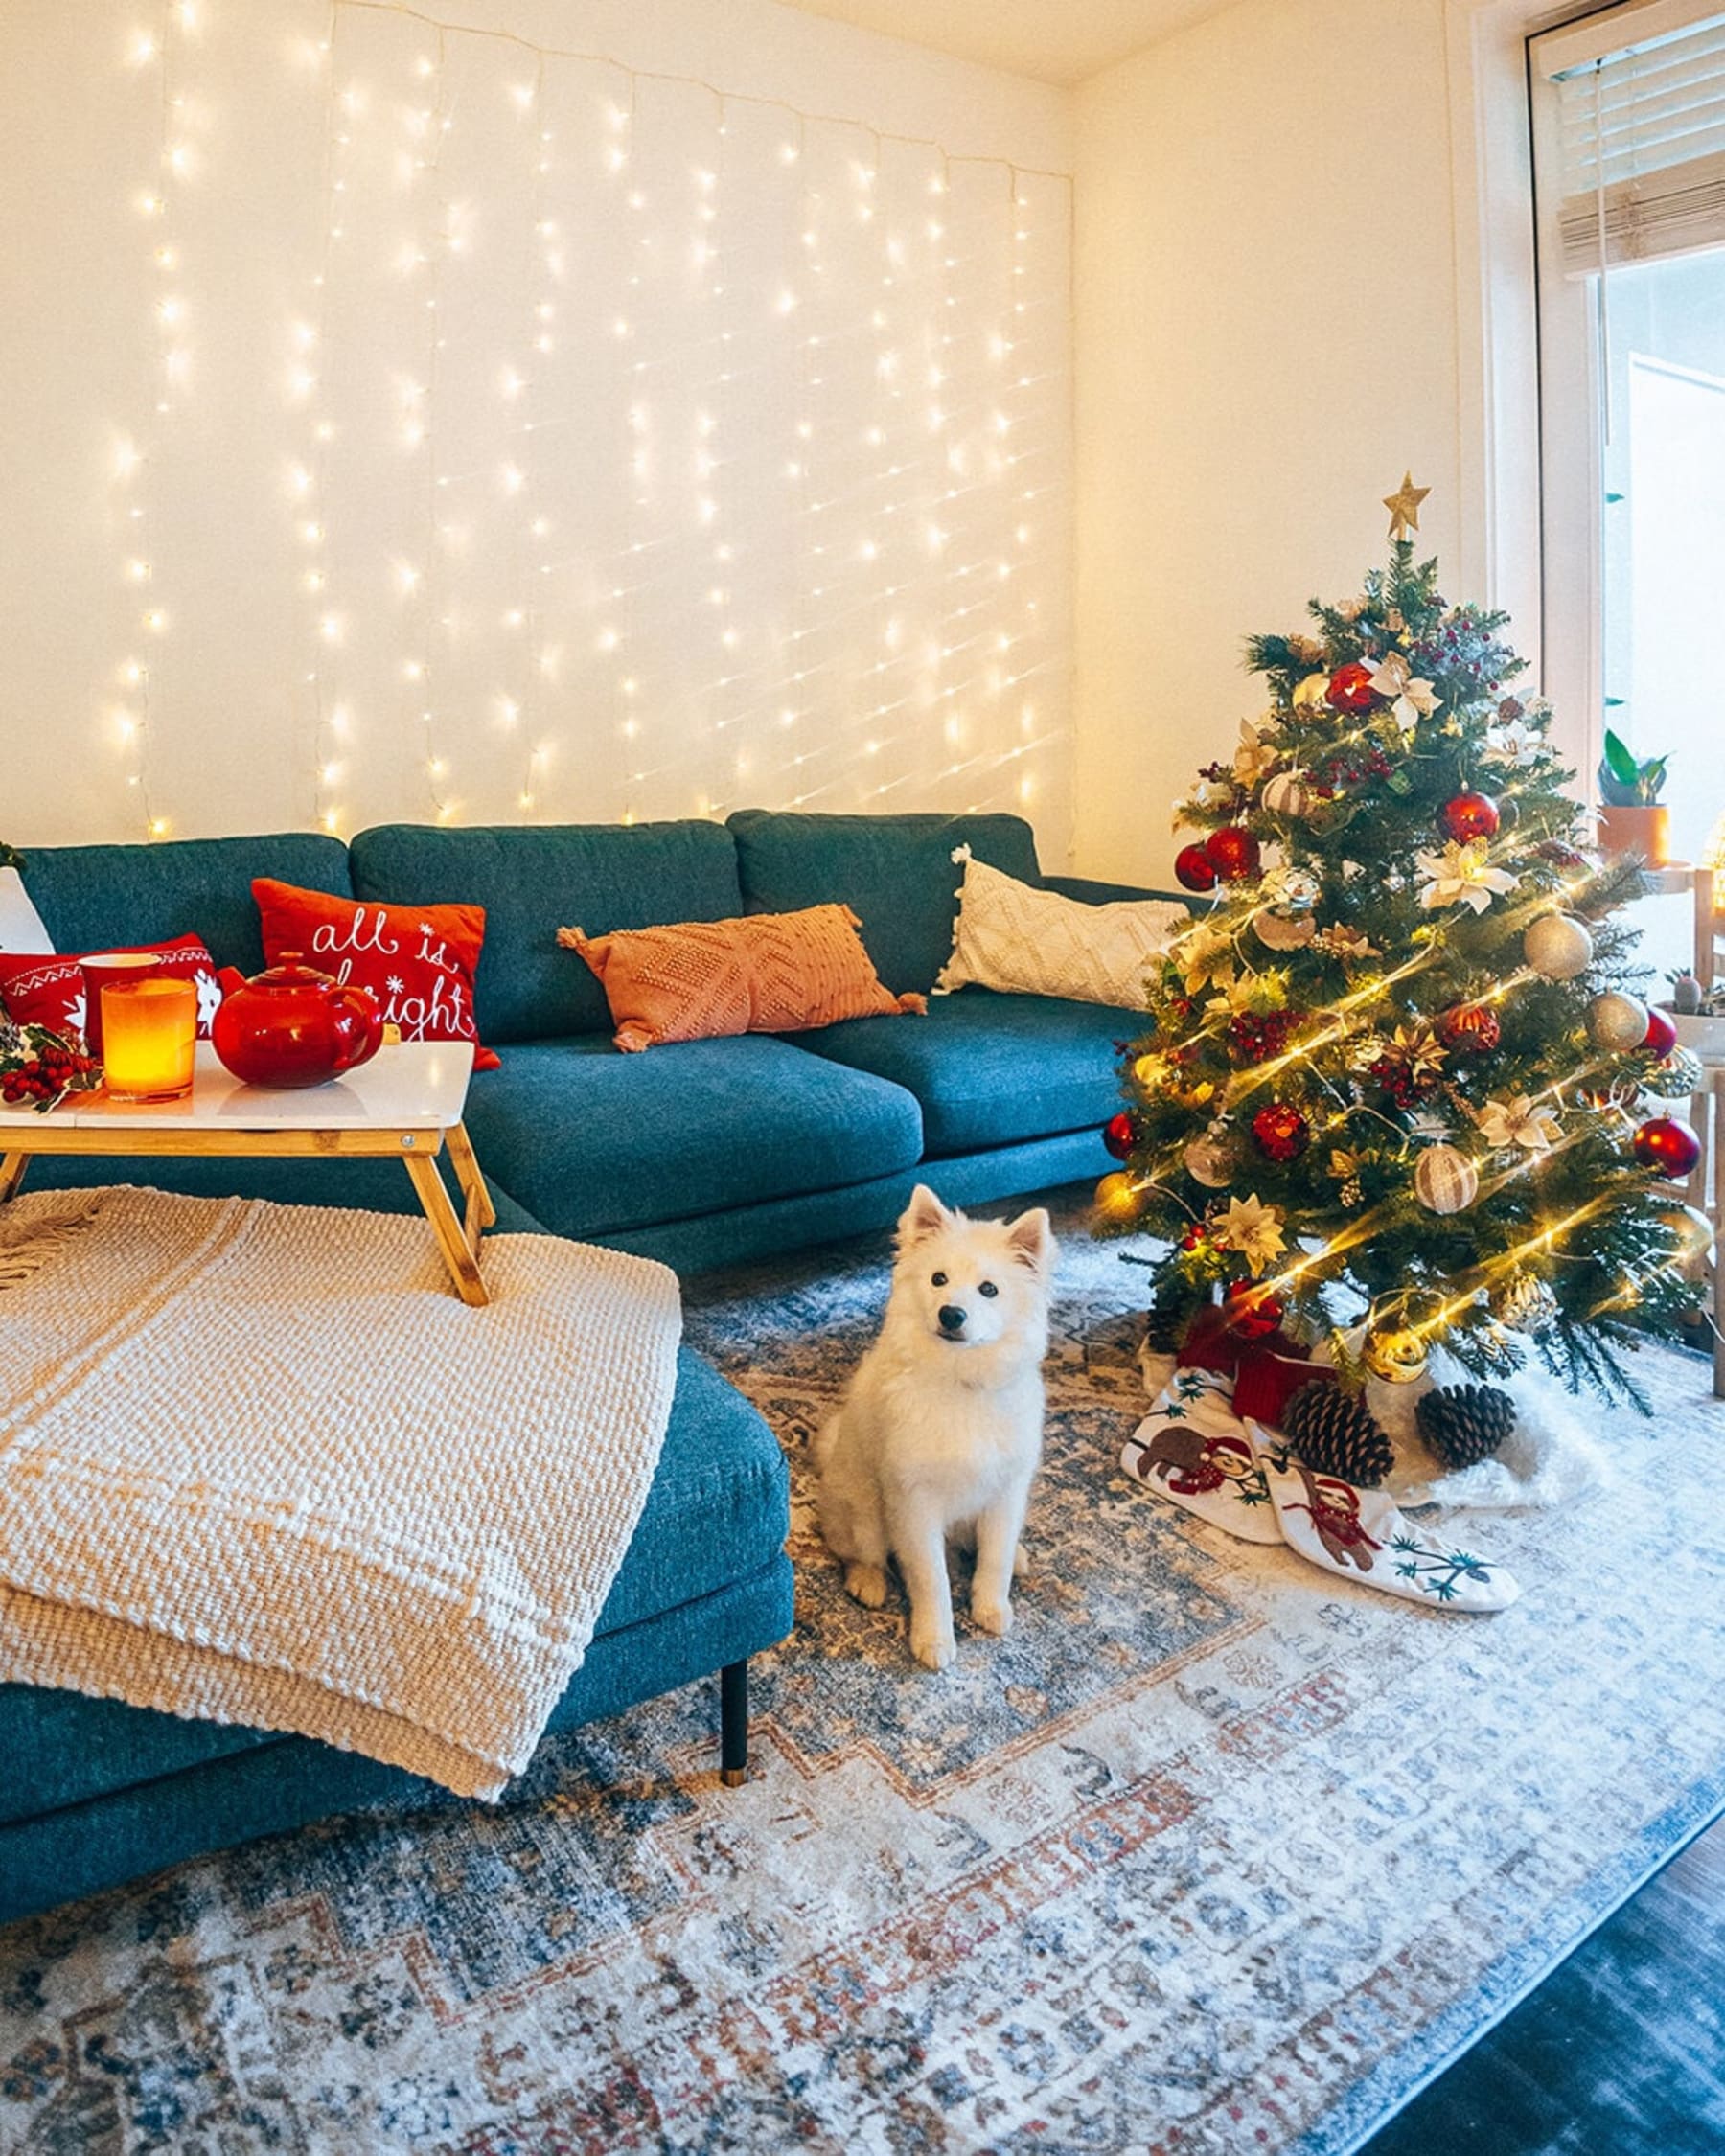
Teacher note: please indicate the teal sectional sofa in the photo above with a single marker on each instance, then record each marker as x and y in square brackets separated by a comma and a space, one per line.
[698, 1154]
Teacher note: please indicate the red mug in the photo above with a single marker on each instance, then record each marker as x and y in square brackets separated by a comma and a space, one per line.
[107, 968]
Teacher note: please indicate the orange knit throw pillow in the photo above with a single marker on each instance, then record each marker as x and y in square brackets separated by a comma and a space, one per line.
[766, 972]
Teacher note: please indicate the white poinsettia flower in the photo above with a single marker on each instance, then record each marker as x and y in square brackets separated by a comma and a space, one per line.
[1255, 758]
[1411, 698]
[1461, 875]
[1204, 955]
[1514, 743]
[1511, 1121]
[1252, 1228]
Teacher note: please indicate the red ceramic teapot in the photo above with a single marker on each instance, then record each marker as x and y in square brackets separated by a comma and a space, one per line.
[294, 1027]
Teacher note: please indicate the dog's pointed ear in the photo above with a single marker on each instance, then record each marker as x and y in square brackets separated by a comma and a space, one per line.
[924, 1216]
[1031, 1238]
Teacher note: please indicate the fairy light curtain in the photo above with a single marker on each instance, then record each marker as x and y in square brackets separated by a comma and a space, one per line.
[657, 449]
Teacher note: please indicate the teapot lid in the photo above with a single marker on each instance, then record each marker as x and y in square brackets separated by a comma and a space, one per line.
[290, 970]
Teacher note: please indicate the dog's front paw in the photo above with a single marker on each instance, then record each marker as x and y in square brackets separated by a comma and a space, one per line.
[865, 1584]
[993, 1617]
[932, 1648]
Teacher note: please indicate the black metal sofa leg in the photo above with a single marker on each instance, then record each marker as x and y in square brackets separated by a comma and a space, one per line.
[733, 1724]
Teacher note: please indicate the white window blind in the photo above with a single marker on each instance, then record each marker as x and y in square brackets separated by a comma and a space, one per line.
[1639, 132]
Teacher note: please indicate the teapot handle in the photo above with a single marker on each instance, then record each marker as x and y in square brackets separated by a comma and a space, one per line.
[358, 1024]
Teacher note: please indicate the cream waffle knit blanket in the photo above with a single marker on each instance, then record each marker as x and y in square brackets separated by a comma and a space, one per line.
[258, 1464]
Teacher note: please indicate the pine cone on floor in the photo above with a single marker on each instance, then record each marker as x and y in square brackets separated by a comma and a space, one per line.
[1336, 1434]
[1464, 1423]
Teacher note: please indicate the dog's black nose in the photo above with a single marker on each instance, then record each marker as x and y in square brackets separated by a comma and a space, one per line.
[952, 1318]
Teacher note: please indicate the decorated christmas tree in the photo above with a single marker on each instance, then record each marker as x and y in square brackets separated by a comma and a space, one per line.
[1398, 1087]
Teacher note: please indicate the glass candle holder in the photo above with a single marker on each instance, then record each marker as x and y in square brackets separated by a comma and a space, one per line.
[106, 969]
[148, 1040]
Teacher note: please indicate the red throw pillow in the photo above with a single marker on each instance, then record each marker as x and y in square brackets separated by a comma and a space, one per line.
[419, 961]
[50, 990]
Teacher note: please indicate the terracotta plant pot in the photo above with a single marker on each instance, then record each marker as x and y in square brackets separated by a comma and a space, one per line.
[1643, 830]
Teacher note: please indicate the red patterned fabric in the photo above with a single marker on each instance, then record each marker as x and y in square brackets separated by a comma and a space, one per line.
[764, 973]
[50, 990]
[419, 961]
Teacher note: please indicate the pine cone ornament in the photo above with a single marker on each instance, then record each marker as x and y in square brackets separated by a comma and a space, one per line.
[1337, 1434]
[1464, 1423]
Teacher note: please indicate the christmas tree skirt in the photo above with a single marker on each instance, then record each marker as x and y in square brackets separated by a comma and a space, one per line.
[1549, 1458]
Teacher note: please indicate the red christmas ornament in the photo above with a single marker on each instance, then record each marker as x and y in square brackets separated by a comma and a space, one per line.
[1668, 1145]
[1470, 1029]
[1253, 1313]
[1233, 852]
[1194, 870]
[1470, 816]
[1350, 688]
[1280, 1133]
[1662, 1034]
[1120, 1134]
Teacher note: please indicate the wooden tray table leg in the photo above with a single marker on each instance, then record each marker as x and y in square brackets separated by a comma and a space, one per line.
[481, 1213]
[463, 1267]
[11, 1174]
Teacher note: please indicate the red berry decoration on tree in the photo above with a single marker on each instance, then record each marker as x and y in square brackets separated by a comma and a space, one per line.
[1470, 816]
[1233, 852]
[1662, 1034]
[1253, 1313]
[1350, 688]
[1194, 870]
[1120, 1134]
[1280, 1133]
[1668, 1145]
[1470, 1029]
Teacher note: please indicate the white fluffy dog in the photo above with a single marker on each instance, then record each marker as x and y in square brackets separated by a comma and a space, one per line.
[939, 1437]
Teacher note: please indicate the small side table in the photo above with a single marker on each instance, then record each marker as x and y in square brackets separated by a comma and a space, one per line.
[407, 1101]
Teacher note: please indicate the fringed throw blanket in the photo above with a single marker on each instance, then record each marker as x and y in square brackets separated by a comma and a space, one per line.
[259, 1465]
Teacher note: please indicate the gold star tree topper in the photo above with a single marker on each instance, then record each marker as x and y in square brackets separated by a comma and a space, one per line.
[1404, 507]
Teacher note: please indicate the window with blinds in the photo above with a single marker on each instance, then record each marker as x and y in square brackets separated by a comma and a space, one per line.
[1638, 131]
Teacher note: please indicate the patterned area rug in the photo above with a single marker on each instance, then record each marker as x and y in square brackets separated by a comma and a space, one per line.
[1214, 1853]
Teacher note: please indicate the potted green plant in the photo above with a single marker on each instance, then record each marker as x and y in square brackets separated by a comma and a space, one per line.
[1632, 817]
[1698, 1016]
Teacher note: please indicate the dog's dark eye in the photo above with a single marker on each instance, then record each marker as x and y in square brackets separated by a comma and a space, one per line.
[988, 1288]
[938, 1279]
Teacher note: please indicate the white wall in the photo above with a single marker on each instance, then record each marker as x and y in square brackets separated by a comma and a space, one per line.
[727, 540]
[1267, 335]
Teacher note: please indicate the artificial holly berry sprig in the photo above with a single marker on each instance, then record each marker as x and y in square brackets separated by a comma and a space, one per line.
[38, 1068]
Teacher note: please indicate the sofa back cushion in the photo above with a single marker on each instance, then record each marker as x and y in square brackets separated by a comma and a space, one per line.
[97, 898]
[533, 877]
[896, 872]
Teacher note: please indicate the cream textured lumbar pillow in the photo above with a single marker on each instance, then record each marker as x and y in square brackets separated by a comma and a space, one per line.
[21, 926]
[1026, 942]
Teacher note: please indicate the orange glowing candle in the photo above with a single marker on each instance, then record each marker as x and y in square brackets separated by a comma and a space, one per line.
[148, 1039]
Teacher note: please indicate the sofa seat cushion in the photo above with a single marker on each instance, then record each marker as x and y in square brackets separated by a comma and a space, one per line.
[992, 1069]
[592, 1141]
[717, 1512]
[896, 872]
[534, 879]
